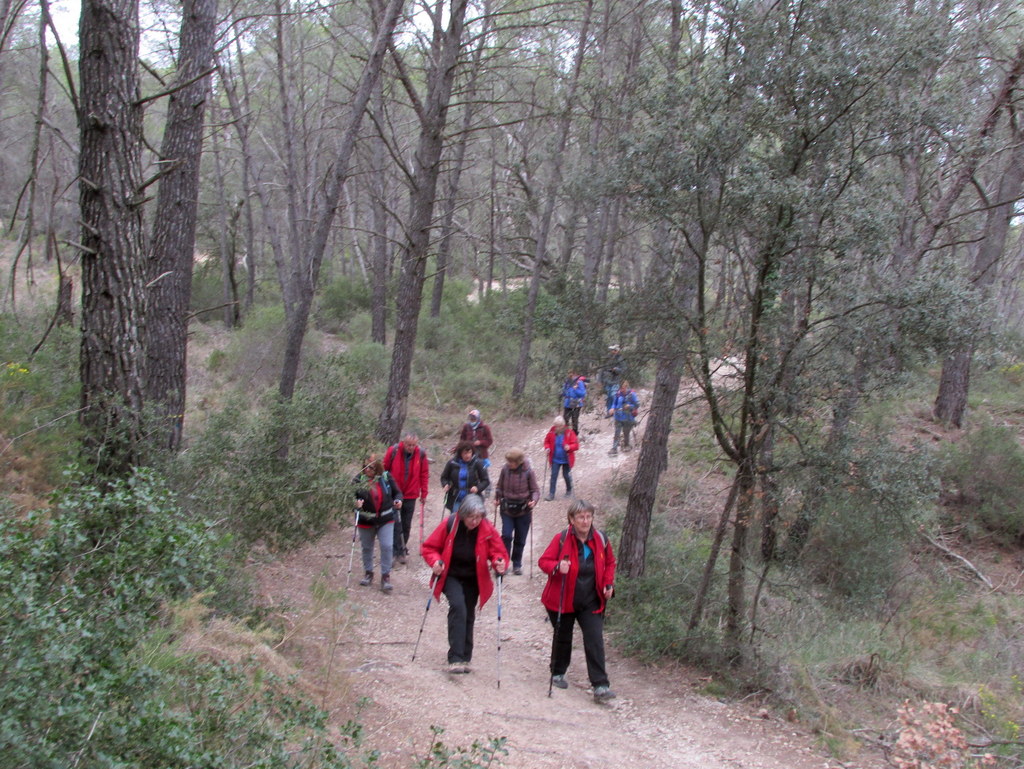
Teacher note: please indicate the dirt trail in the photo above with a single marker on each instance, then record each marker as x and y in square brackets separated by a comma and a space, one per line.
[361, 647]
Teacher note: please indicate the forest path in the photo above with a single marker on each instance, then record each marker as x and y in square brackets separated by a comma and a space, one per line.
[360, 644]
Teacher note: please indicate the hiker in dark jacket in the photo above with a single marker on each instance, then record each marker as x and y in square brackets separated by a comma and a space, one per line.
[458, 552]
[516, 494]
[479, 435]
[574, 390]
[378, 500]
[463, 474]
[580, 566]
[407, 463]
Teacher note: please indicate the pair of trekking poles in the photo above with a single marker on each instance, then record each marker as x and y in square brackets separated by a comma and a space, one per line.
[430, 599]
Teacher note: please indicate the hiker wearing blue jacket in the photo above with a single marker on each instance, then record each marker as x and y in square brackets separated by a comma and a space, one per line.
[573, 392]
[625, 406]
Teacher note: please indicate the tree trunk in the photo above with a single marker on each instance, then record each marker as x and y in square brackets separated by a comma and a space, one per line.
[650, 465]
[174, 224]
[544, 224]
[954, 384]
[421, 211]
[306, 263]
[112, 355]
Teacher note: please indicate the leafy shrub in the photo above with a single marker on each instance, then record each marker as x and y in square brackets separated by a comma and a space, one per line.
[341, 300]
[983, 481]
[235, 468]
[865, 510]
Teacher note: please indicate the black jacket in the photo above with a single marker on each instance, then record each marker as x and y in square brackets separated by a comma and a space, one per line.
[476, 475]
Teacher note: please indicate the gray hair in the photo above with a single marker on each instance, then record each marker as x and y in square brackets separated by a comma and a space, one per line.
[473, 504]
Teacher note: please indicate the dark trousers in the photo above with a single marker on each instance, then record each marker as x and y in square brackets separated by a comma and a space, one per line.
[514, 532]
[592, 625]
[572, 418]
[462, 598]
[622, 429]
[403, 532]
[554, 479]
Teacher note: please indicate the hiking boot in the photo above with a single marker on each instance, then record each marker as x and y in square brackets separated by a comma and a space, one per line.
[517, 571]
[560, 682]
[602, 693]
[385, 583]
[613, 452]
[458, 668]
[366, 580]
[403, 559]
[549, 499]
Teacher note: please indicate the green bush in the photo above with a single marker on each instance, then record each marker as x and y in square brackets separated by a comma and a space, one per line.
[341, 300]
[863, 511]
[81, 597]
[983, 481]
[235, 468]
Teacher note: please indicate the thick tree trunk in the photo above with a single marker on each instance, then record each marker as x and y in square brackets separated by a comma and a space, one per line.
[112, 358]
[174, 225]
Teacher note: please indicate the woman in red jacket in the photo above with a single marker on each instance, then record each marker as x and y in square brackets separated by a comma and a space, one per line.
[561, 445]
[458, 552]
[581, 577]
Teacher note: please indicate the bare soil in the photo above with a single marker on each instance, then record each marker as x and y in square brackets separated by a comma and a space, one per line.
[355, 654]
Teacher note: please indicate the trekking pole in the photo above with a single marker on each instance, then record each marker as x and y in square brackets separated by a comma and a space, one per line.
[558, 626]
[500, 580]
[352, 552]
[430, 597]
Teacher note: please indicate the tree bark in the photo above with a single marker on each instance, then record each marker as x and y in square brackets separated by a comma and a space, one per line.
[422, 199]
[172, 252]
[112, 353]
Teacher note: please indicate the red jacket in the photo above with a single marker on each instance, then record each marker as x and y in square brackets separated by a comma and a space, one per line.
[571, 444]
[418, 479]
[604, 568]
[489, 548]
[480, 433]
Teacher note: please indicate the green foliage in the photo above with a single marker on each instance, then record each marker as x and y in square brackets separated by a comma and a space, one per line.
[38, 395]
[659, 602]
[256, 349]
[864, 509]
[983, 480]
[236, 469]
[80, 608]
[477, 756]
[340, 301]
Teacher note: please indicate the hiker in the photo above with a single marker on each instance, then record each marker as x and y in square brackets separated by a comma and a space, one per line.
[378, 500]
[459, 552]
[463, 474]
[625, 406]
[581, 576]
[479, 435]
[515, 495]
[408, 464]
[611, 374]
[561, 445]
[574, 390]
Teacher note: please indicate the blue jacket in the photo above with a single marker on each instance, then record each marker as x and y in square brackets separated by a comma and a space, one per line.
[625, 405]
[573, 393]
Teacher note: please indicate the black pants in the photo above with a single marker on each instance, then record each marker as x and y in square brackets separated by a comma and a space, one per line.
[404, 531]
[572, 418]
[514, 532]
[592, 625]
[462, 598]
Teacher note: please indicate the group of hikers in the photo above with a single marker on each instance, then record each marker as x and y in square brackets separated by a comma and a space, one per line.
[465, 547]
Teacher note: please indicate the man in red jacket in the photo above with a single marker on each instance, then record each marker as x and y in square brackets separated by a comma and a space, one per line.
[408, 465]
